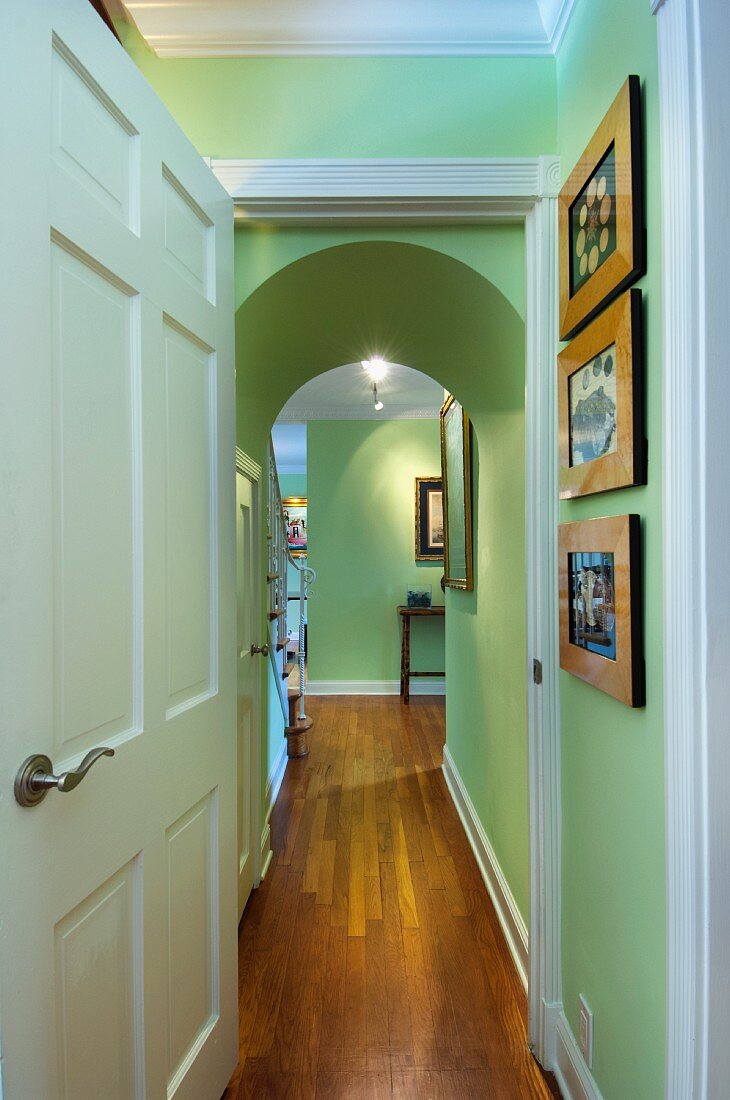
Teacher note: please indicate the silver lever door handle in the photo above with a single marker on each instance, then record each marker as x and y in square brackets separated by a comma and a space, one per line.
[262, 649]
[35, 777]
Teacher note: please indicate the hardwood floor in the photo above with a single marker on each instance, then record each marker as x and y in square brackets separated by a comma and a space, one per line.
[371, 962]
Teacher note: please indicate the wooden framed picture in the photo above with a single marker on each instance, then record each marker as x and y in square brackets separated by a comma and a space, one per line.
[429, 519]
[601, 637]
[456, 476]
[295, 514]
[601, 215]
[600, 403]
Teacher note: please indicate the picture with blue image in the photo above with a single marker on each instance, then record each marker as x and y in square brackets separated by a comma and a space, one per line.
[593, 610]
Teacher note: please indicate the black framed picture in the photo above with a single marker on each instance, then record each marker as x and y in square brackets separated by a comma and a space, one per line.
[429, 519]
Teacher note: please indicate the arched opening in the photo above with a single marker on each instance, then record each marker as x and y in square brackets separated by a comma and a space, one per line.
[420, 307]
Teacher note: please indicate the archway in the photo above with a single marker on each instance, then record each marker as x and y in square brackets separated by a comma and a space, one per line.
[418, 306]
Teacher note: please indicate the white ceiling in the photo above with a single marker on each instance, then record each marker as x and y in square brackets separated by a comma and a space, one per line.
[346, 393]
[296, 28]
[290, 448]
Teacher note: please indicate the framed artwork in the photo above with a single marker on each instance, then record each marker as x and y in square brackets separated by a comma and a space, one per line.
[600, 215]
[600, 403]
[456, 476]
[429, 519]
[601, 637]
[295, 514]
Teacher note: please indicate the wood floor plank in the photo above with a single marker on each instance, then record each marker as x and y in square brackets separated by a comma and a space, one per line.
[371, 961]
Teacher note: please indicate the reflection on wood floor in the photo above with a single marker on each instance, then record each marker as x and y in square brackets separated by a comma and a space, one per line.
[371, 960]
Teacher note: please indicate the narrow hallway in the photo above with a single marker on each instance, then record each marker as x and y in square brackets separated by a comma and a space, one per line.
[371, 962]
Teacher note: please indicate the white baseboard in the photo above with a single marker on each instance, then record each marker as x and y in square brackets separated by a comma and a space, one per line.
[274, 781]
[420, 686]
[266, 853]
[273, 784]
[575, 1079]
[510, 918]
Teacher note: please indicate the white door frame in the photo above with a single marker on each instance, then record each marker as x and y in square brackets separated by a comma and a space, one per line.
[452, 191]
[252, 471]
[693, 42]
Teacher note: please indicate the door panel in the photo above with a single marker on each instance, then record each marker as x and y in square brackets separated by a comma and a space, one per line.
[193, 1001]
[95, 502]
[191, 603]
[98, 960]
[118, 973]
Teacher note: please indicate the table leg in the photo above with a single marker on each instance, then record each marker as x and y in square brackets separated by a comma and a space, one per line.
[405, 666]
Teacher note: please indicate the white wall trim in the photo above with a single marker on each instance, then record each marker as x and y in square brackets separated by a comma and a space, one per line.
[274, 781]
[509, 916]
[273, 785]
[419, 686]
[417, 190]
[685, 731]
[246, 465]
[543, 701]
[574, 1077]
[298, 414]
[207, 28]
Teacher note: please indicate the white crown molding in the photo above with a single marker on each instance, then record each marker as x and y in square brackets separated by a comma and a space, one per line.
[495, 880]
[242, 48]
[364, 190]
[213, 28]
[247, 465]
[301, 414]
[556, 16]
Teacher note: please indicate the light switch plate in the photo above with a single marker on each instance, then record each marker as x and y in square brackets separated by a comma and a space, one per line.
[585, 1031]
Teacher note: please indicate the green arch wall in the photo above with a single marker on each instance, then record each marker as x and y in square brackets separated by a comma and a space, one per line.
[416, 305]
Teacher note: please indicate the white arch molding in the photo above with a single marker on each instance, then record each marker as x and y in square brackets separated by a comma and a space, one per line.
[451, 191]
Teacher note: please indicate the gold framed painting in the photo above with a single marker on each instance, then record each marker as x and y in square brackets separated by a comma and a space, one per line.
[295, 515]
[456, 477]
[429, 519]
[600, 215]
[600, 403]
[601, 636]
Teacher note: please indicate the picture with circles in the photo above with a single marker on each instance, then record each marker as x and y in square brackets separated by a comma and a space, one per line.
[601, 235]
[593, 223]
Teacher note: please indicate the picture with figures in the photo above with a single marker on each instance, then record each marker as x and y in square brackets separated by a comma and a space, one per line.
[601, 629]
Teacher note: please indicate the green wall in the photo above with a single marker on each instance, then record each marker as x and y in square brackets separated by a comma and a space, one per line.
[357, 107]
[361, 518]
[613, 903]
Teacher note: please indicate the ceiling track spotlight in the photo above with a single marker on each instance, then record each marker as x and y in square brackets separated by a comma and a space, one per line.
[377, 404]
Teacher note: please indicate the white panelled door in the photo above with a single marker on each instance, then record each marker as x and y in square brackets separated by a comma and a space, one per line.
[249, 676]
[117, 599]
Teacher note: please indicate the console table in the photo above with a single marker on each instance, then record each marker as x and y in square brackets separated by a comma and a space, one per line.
[406, 614]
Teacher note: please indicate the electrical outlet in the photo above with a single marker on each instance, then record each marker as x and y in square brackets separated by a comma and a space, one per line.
[585, 1031]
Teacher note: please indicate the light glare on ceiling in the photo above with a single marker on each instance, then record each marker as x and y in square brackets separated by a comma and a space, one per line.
[376, 368]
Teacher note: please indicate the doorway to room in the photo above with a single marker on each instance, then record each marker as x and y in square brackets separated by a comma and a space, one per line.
[418, 306]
